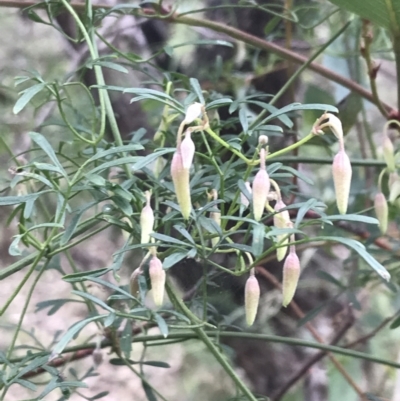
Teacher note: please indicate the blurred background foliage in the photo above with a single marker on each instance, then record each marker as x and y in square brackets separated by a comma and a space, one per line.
[338, 293]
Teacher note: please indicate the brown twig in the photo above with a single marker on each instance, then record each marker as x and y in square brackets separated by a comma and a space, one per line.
[300, 314]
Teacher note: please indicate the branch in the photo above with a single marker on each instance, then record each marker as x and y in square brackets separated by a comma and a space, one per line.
[236, 34]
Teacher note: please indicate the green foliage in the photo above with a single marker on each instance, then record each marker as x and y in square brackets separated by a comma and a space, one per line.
[202, 143]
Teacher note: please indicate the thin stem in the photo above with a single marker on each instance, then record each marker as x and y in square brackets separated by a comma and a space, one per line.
[367, 35]
[180, 305]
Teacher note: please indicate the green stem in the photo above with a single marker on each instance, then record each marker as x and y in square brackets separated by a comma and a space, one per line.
[290, 147]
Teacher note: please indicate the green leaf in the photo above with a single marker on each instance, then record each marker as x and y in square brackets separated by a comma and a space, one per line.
[151, 158]
[396, 323]
[385, 13]
[113, 163]
[162, 325]
[360, 249]
[352, 217]
[72, 331]
[27, 96]
[194, 83]
[81, 276]
[257, 245]
[16, 200]
[92, 298]
[167, 238]
[42, 142]
[112, 66]
[173, 259]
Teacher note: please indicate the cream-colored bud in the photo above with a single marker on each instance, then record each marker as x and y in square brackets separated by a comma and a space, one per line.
[146, 221]
[334, 124]
[193, 111]
[157, 279]
[263, 140]
[388, 153]
[251, 299]
[291, 274]
[261, 186]
[187, 151]
[341, 170]
[181, 180]
[381, 211]
[281, 220]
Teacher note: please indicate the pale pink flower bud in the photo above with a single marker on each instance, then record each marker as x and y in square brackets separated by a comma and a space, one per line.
[341, 170]
[263, 140]
[381, 211]
[187, 151]
[281, 220]
[193, 111]
[146, 221]
[291, 274]
[251, 299]
[243, 200]
[388, 153]
[157, 279]
[180, 178]
[261, 186]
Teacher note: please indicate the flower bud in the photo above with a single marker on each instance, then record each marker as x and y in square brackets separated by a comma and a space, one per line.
[261, 186]
[388, 153]
[334, 124]
[146, 221]
[341, 170]
[281, 220]
[193, 111]
[263, 140]
[157, 279]
[187, 151]
[180, 178]
[251, 299]
[291, 274]
[381, 211]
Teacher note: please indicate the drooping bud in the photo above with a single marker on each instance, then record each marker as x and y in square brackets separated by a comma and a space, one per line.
[261, 186]
[381, 211]
[243, 199]
[146, 221]
[193, 111]
[388, 153]
[291, 274]
[157, 279]
[180, 178]
[341, 170]
[333, 123]
[187, 150]
[251, 298]
[215, 216]
[281, 220]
